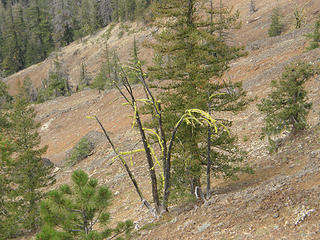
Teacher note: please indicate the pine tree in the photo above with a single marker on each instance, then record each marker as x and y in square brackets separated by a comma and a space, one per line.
[7, 214]
[192, 52]
[286, 107]
[76, 210]
[63, 21]
[5, 98]
[2, 21]
[105, 10]
[133, 62]
[130, 9]
[276, 26]
[30, 174]
[315, 36]
[115, 10]
[14, 40]
[107, 73]
[84, 78]
[57, 83]
[40, 42]
[87, 17]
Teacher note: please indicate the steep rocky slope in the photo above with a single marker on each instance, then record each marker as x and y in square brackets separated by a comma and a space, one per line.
[280, 201]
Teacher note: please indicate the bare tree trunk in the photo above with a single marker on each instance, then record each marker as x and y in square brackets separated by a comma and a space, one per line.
[252, 7]
[151, 166]
[131, 176]
[209, 153]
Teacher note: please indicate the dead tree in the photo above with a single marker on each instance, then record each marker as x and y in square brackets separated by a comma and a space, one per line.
[252, 7]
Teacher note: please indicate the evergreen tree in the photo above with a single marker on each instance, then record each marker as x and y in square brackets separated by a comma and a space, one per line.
[286, 107]
[105, 10]
[63, 21]
[192, 51]
[30, 174]
[2, 22]
[40, 42]
[7, 214]
[76, 210]
[7, 217]
[315, 36]
[132, 74]
[14, 40]
[84, 78]
[130, 9]
[88, 17]
[107, 73]
[276, 26]
[115, 10]
[56, 85]
[5, 98]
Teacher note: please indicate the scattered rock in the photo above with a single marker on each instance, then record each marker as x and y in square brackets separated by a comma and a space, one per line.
[302, 214]
[203, 227]
[187, 223]
[315, 154]
[119, 177]
[276, 215]
[47, 162]
[174, 220]
[95, 137]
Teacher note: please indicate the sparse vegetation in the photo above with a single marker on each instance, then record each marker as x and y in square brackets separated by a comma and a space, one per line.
[120, 34]
[80, 151]
[276, 26]
[315, 36]
[109, 71]
[57, 83]
[286, 107]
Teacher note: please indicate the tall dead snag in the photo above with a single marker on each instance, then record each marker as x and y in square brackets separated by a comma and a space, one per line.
[125, 165]
[129, 97]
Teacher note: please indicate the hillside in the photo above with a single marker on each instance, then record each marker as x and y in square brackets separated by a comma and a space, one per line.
[280, 201]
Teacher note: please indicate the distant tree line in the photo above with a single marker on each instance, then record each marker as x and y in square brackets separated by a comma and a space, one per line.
[31, 29]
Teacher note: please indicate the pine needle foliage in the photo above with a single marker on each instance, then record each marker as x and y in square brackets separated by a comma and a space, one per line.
[286, 107]
[276, 26]
[7, 216]
[315, 36]
[72, 212]
[191, 50]
[80, 151]
[30, 173]
[23, 172]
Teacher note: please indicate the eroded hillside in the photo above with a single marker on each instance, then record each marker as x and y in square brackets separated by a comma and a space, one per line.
[280, 201]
